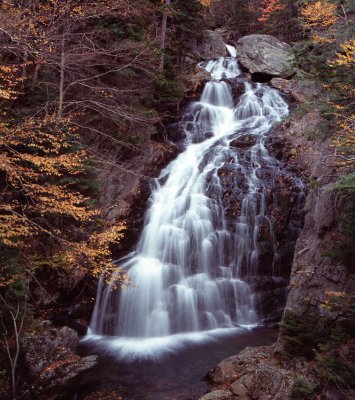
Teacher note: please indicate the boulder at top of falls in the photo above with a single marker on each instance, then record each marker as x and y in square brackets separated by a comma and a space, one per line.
[211, 46]
[264, 54]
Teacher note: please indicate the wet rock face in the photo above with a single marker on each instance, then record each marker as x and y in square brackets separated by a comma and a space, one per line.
[244, 141]
[314, 276]
[211, 46]
[284, 202]
[52, 364]
[301, 91]
[266, 55]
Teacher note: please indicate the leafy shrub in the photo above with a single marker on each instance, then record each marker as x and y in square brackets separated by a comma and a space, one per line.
[302, 389]
[343, 249]
[298, 334]
[336, 370]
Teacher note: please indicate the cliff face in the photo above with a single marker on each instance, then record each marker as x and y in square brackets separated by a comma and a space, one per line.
[320, 287]
[315, 277]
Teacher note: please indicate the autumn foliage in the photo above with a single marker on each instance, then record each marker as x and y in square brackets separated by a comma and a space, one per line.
[48, 219]
[41, 163]
[344, 115]
[268, 7]
[319, 15]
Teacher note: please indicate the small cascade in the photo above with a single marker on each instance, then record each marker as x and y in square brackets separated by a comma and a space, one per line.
[193, 264]
[231, 50]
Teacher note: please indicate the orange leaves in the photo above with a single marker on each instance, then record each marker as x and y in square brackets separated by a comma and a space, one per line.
[344, 137]
[206, 3]
[47, 202]
[319, 15]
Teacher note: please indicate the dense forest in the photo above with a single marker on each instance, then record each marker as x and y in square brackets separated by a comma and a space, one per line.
[91, 97]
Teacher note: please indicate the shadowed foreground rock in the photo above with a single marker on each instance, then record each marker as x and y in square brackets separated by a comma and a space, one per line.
[52, 364]
[257, 373]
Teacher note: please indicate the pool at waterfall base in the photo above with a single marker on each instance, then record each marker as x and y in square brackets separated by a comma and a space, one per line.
[171, 368]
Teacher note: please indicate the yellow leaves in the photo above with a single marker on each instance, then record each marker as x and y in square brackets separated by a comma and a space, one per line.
[41, 167]
[319, 15]
[10, 81]
[33, 156]
[339, 299]
[13, 227]
[111, 235]
[58, 165]
[321, 39]
[347, 57]
[344, 140]
[94, 255]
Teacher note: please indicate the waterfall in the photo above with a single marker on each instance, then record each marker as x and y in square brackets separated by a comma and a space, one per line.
[190, 269]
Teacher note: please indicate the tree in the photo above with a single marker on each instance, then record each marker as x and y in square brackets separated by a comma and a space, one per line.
[163, 34]
[64, 40]
[319, 15]
[268, 8]
[17, 317]
[279, 18]
[43, 160]
[236, 14]
[344, 116]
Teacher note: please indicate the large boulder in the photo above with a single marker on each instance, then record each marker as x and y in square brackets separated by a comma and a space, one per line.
[218, 395]
[260, 373]
[264, 54]
[211, 46]
[51, 360]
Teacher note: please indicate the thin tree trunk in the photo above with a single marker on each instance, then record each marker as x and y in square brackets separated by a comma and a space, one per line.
[163, 36]
[17, 321]
[61, 79]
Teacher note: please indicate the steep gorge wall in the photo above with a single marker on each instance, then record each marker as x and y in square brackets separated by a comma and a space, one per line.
[316, 279]
[321, 286]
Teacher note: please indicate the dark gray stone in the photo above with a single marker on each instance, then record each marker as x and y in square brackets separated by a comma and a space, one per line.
[264, 54]
[218, 395]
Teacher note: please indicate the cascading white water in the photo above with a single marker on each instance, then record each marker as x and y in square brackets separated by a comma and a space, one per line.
[231, 50]
[189, 268]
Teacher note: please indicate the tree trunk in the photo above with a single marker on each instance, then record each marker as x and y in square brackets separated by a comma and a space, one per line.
[61, 79]
[163, 35]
